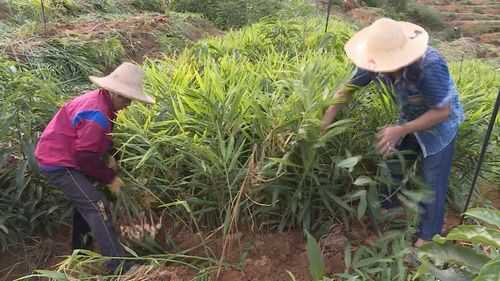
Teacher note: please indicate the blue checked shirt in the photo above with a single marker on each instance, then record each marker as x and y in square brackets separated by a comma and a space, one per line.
[423, 85]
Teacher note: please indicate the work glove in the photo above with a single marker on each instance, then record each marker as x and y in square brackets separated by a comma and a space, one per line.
[115, 185]
[112, 164]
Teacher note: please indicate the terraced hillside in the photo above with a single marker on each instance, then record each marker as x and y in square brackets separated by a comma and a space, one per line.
[479, 19]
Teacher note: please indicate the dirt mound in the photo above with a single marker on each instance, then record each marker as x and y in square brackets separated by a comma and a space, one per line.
[459, 7]
[490, 38]
[477, 27]
[140, 35]
[271, 256]
[196, 28]
[477, 19]
[93, 28]
[452, 16]
[467, 48]
[36, 253]
[155, 273]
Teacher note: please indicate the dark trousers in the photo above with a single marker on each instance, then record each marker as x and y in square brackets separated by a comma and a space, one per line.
[81, 232]
[435, 170]
[410, 151]
[91, 213]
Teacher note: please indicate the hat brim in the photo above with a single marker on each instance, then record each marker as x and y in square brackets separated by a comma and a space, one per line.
[123, 90]
[384, 61]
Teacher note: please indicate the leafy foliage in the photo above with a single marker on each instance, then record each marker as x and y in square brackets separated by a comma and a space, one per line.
[477, 84]
[72, 61]
[235, 134]
[26, 202]
[475, 258]
[316, 262]
[237, 13]
[242, 115]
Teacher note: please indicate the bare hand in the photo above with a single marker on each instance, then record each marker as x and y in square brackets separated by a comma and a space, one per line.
[387, 138]
[328, 118]
[115, 185]
[112, 163]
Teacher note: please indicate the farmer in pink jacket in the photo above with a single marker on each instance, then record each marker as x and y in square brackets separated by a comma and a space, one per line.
[72, 154]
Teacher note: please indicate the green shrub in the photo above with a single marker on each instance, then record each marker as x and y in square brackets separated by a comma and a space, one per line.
[233, 13]
[375, 3]
[426, 16]
[398, 5]
[260, 89]
[23, 10]
[73, 60]
[450, 34]
[477, 84]
[150, 5]
[27, 204]
[264, 89]
[171, 44]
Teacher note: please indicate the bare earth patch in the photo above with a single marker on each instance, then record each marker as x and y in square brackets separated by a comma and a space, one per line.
[477, 19]
[138, 34]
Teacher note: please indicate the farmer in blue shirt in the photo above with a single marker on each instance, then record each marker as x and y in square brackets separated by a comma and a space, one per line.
[396, 54]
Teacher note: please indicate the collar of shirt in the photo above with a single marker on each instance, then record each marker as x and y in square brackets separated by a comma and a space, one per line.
[409, 73]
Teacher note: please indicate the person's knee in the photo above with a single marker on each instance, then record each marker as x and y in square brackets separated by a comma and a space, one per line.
[96, 212]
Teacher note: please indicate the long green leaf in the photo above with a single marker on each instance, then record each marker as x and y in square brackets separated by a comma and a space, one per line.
[475, 234]
[490, 271]
[491, 216]
[316, 263]
[449, 252]
[349, 163]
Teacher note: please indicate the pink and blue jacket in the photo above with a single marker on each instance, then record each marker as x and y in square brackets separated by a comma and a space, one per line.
[78, 137]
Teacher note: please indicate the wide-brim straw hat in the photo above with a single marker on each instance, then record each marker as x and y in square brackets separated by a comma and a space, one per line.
[387, 45]
[126, 80]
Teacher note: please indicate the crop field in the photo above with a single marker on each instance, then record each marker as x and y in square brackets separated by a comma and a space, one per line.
[228, 175]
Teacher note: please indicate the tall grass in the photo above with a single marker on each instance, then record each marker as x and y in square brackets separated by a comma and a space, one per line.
[237, 120]
[71, 61]
[478, 85]
[235, 132]
[27, 204]
[228, 14]
[22, 11]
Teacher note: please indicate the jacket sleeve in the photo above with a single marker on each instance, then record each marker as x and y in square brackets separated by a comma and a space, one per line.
[92, 165]
[91, 144]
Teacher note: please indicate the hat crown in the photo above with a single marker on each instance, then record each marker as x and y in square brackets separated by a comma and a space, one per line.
[387, 45]
[126, 80]
[386, 35]
[128, 74]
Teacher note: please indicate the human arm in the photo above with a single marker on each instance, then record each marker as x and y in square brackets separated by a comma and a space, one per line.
[343, 96]
[90, 145]
[389, 136]
[341, 99]
[435, 89]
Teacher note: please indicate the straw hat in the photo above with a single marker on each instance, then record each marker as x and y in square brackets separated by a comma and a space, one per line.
[387, 45]
[126, 80]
